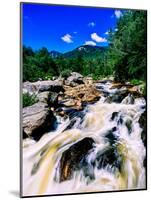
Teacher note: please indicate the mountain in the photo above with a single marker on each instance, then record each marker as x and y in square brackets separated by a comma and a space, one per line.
[86, 51]
[55, 54]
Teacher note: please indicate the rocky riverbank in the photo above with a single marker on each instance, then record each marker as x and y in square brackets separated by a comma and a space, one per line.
[65, 97]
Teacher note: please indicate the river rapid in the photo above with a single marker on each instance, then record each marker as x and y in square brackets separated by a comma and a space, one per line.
[101, 151]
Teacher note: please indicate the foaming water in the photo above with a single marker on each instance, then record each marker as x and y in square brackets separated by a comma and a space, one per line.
[114, 163]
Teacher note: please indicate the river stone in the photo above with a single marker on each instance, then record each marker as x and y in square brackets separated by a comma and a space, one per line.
[83, 93]
[30, 88]
[43, 97]
[88, 80]
[143, 125]
[37, 120]
[74, 79]
[42, 86]
[72, 158]
[117, 97]
[109, 158]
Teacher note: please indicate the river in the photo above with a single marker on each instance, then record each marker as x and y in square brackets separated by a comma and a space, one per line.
[101, 151]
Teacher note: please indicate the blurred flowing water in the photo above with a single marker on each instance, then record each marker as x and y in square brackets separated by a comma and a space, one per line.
[115, 161]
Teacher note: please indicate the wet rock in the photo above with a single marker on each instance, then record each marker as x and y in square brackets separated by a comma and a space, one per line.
[109, 158]
[73, 158]
[37, 120]
[68, 102]
[53, 99]
[104, 81]
[143, 125]
[112, 138]
[76, 117]
[114, 115]
[24, 135]
[117, 97]
[117, 85]
[128, 124]
[129, 99]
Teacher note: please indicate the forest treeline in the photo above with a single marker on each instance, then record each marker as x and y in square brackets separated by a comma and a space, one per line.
[125, 58]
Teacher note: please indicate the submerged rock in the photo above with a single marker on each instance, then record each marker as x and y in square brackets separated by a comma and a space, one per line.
[128, 99]
[109, 158]
[143, 125]
[37, 120]
[73, 158]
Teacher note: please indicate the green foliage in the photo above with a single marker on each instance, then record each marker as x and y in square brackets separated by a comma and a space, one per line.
[29, 100]
[38, 65]
[128, 49]
[136, 82]
[65, 73]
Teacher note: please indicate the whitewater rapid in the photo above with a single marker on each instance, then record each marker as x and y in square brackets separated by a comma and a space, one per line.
[41, 160]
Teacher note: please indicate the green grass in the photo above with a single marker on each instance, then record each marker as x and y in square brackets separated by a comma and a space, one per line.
[29, 100]
[136, 82]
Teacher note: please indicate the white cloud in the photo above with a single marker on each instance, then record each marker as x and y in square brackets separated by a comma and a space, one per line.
[67, 38]
[75, 32]
[118, 13]
[106, 33]
[91, 24]
[97, 38]
[90, 43]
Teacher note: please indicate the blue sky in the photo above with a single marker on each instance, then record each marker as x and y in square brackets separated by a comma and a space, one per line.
[63, 28]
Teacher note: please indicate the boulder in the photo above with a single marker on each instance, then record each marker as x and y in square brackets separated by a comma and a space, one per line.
[110, 157]
[143, 125]
[43, 97]
[70, 83]
[88, 80]
[83, 93]
[74, 79]
[117, 97]
[37, 120]
[30, 88]
[118, 85]
[42, 86]
[54, 86]
[129, 99]
[72, 159]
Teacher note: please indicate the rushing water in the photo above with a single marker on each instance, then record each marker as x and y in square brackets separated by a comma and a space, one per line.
[41, 160]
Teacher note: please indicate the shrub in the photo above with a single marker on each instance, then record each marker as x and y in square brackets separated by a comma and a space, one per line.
[136, 82]
[65, 73]
[29, 99]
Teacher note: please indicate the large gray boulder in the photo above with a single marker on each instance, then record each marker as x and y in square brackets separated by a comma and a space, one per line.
[74, 79]
[42, 86]
[37, 120]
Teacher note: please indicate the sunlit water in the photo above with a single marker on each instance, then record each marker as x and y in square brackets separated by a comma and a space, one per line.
[41, 159]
